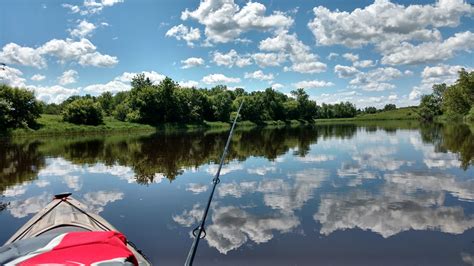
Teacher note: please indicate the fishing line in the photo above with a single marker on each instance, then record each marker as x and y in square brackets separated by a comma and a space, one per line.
[199, 232]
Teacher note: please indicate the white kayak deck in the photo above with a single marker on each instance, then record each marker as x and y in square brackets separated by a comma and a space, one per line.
[67, 212]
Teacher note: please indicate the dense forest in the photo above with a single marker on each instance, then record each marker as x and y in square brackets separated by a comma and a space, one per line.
[167, 102]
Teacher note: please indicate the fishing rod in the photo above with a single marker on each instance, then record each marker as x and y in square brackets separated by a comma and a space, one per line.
[199, 232]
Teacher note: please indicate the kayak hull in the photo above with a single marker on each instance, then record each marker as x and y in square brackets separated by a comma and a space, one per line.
[66, 214]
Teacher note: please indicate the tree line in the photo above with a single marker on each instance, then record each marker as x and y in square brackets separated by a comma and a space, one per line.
[167, 102]
[455, 102]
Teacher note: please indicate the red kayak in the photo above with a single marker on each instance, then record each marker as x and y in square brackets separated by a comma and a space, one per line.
[63, 233]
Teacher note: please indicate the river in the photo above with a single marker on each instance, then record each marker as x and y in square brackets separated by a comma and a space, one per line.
[394, 193]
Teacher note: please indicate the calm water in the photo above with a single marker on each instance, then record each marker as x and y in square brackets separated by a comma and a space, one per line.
[392, 194]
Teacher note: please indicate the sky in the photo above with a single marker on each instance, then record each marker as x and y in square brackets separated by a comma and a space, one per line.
[370, 53]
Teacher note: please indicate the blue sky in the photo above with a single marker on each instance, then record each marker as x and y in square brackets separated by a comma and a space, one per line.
[367, 52]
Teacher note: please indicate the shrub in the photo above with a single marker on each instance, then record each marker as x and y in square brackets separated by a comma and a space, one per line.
[83, 111]
[18, 108]
[389, 107]
[121, 111]
[470, 116]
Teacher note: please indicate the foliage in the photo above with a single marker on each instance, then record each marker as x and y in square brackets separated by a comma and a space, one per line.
[121, 111]
[51, 109]
[185, 150]
[470, 116]
[18, 108]
[389, 107]
[370, 110]
[429, 107]
[106, 102]
[338, 110]
[166, 102]
[454, 101]
[83, 111]
[55, 125]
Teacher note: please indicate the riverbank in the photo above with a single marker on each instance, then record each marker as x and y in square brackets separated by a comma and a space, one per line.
[54, 125]
[405, 113]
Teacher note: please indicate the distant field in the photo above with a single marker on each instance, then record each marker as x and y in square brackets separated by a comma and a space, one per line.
[406, 113]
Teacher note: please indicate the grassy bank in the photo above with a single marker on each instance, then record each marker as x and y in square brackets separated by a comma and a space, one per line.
[406, 113]
[53, 124]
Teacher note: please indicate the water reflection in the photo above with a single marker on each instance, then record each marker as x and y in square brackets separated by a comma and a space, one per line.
[142, 157]
[23, 207]
[467, 258]
[196, 188]
[19, 162]
[314, 186]
[97, 200]
[390, 213]
[457, 139]
[231, 227]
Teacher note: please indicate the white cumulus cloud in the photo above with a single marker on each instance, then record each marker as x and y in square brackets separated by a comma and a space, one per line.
[192, 62]
[230, 59]
[225, 21]
[259, 75]
[38, 77]
[393, 28]
[189, 84]
[83, 29]
[68, 77]
[345, 71]
[219, 79]
[312, 84]
[181, 32]
[303, 60]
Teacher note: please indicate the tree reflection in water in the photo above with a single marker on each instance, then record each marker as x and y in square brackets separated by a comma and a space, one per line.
[169, 154]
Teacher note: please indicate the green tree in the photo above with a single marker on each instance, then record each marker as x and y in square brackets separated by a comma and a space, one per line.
[122, 111]
[83, 111]
[307, 109]
[140, 81]
[52, 109]
[146, 105]
[221, 101]
[470, 116]
[273, 102]
[106, 102]
[18, 108]
[370, 110]
[251, 110]
[166, 90]
[389, 107]
[429, 107]
[455, 101]
[291, 109]
[466, 82]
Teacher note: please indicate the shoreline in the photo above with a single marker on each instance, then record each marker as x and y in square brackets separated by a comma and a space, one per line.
[52, 125]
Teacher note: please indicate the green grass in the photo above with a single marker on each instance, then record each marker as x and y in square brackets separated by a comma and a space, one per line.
[53, 124]
[406, 113]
